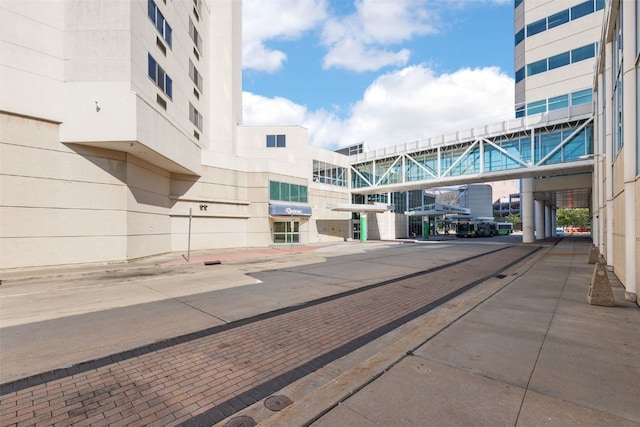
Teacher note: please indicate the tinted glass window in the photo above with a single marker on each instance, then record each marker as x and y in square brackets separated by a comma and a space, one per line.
[519, 36]
[520, 75]
[558, 19]
[537, 67]
[581, 10]
[558, 102]
[582, 53]
[518, 2]
[599, 4]
[271, 141]
[536, 27]
[559, 60]
[581, 97]
[537, 107]
[519, 112]
[280, 141]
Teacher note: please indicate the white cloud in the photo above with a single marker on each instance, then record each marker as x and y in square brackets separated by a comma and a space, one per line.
[405, 105]
[361, 41]
[265, 20]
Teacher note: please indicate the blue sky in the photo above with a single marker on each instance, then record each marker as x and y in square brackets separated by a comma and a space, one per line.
[379, 71]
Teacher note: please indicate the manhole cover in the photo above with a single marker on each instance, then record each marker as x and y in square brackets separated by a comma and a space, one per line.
[277, 403]
[242, 421]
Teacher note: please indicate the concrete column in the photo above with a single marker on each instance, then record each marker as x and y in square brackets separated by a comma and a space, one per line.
[547, 221]
[526, 210]
[608, 149]
[630, 140]
[554, 221]
[539, 218]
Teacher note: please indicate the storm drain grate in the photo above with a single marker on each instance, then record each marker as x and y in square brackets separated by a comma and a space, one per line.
[277, 403]
[242, 421]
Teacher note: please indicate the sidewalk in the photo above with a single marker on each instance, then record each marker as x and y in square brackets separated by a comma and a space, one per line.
[535, 353]
[523, 348]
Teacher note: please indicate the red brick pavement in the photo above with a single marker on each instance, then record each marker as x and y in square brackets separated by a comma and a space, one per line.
[205, 377]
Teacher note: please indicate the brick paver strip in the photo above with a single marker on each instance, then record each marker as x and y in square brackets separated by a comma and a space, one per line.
[204, 377]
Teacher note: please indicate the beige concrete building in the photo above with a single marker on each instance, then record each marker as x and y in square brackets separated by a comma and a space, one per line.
[616, 184]
[121, 137]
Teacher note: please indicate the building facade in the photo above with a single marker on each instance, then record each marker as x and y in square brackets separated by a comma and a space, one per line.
[616, 184]
[121, 137]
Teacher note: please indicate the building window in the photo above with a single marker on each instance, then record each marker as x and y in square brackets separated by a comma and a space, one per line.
[326, 173]
[536, 27]
[276, 141]
[519, 36]
[520, 112]
[195, 117]
[158, 19]
[518, 3]
[536, 107]
[583, 9]
[160, 78]
[558, 19]
[582, 97]
[195, 36]
[285, 192]
[558, 102]
[559, 60]
[195, 76]
[520, 75]
[582, 53]
[537, 67]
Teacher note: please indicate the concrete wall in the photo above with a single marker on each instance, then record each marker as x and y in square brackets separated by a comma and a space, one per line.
[60, 204]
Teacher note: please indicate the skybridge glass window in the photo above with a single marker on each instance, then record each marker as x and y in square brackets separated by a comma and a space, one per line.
[536, 27]
[558, 19]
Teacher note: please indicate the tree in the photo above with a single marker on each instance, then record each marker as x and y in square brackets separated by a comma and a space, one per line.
[513, 218]
[579, 217]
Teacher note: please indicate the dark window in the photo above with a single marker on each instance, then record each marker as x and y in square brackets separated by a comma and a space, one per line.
[519, 36]
[559, 60]
[160, 23]
[582, 53]
[276, 141]
[518, 2]
[520, 112]
[537, 67]
[520, 75]
[599, 4]
[583, 9]
[558, 19]
[160, 78]
[536, 27]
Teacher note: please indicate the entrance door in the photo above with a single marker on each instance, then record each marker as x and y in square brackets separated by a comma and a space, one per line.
[355, 225]
[286, 232]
